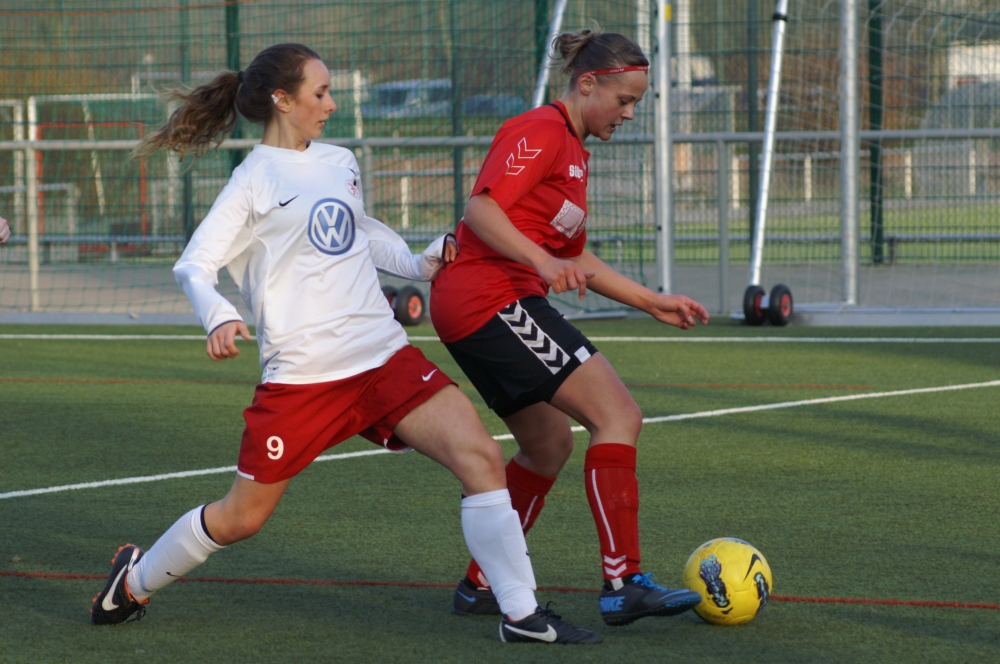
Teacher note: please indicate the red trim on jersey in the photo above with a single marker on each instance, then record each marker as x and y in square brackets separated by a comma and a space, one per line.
[536, 171]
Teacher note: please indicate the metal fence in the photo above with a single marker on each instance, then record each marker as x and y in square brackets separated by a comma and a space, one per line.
[422, 86]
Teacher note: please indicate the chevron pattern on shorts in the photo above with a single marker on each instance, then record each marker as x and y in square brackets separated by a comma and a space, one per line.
[532, 336]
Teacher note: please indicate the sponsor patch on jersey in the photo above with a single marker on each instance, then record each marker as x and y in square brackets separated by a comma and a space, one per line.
[570, 220]
[352, 190]
[331, 226]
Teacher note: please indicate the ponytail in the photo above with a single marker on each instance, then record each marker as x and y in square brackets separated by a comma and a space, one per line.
[209, 112]
[591, 50]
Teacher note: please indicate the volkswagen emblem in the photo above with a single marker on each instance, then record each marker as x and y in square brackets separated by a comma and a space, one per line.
[331, 226]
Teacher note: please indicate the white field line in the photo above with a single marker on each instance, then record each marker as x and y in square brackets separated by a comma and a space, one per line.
[645, 420]
[807, 340]
[165, 476]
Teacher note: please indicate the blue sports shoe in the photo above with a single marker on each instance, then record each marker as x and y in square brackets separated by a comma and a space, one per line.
[639, 596]
[471, 600]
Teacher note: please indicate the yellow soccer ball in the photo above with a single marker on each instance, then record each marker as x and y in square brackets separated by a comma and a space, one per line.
[733, 579]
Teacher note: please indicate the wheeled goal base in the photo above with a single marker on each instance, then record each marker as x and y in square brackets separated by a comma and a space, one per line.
[759, 307]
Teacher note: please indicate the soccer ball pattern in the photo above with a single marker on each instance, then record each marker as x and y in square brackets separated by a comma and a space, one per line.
[733, 579]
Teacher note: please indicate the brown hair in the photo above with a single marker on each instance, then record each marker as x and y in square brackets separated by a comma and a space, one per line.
[208, 112]
[590, 50]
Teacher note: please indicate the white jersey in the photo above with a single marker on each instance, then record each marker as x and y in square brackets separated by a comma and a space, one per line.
[291, 228]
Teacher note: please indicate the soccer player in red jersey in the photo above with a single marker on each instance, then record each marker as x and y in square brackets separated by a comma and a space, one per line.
[291, 228]
[524, 233]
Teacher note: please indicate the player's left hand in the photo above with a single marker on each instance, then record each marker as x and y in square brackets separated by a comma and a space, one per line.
[679, 311]
[4, 230]
[221, 343]
[450, 252]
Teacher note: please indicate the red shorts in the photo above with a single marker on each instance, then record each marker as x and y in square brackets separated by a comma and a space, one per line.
[290, 425]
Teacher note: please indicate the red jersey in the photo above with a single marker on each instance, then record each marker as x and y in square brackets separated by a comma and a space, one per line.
[536, 171]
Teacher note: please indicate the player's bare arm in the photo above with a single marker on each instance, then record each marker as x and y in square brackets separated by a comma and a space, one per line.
[487, 220]
[4, 230]
[676, 310]
[221, 343]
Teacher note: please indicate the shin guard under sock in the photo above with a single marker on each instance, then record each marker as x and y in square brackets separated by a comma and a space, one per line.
[493, 534]
[527, 496]
[184, 546]
[613, 494]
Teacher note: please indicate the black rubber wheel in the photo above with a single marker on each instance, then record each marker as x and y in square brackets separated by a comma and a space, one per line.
[752, 312]
[390, 294]
[779, 306]
[410, 308]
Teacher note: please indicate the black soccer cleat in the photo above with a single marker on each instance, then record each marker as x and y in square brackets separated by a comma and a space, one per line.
[544, 626]
[471, 600]
[115, 604]
[640, 596]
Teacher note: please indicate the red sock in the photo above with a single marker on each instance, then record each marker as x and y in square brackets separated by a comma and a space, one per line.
[527, 495]
[613, 494]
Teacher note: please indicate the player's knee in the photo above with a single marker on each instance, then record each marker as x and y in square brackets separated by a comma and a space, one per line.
[239, 527]
[630, 419]
[563, 449]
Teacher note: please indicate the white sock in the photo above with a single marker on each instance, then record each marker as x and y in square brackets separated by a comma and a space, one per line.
[178, 551]
[493, 534]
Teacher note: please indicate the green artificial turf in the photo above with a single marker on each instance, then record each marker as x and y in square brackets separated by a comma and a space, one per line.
[894, 497]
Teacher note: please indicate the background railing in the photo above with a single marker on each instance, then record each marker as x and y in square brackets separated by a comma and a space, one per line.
[422, 86]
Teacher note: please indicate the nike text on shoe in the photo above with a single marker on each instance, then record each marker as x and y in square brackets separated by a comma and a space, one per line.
[114, 605]
[544, 626]
[471, 600]
[640, 596]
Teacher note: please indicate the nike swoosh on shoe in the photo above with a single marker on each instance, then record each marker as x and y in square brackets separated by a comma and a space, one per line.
[108, 604]
[549, 635]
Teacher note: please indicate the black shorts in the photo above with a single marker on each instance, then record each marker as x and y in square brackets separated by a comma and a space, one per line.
[522, 355]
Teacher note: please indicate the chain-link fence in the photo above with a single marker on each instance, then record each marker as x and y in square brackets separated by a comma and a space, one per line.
[422, 85]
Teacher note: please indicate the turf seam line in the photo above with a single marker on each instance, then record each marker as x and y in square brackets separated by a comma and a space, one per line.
[563, 589]
[820, 340]
[576, 429]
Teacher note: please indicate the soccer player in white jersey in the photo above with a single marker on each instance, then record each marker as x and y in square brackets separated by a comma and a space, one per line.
[291, 227]
[4, 230]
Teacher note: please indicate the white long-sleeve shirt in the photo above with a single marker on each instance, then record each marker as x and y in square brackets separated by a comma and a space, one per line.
[291, 228]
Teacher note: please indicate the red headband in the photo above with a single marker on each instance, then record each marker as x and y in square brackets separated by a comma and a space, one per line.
[617, 70]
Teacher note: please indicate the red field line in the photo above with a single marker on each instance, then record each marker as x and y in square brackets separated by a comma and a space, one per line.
[561, 589]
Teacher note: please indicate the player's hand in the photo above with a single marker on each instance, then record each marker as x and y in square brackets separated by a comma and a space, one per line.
[679, 311]
[450, 252]
[4, 230]
[222, 341]
[564, 275]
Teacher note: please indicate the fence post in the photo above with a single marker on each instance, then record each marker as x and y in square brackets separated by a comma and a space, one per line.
[233, 63]
[877, 177]
[850, 148]
[458, 154]
[722, 150]
[546, 58]
[187, 187]
[31, 196]
[19, 162]
[807, 176]
[663, 150]
[753, 167]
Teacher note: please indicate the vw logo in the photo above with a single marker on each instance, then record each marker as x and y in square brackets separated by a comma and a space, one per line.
[331, 226]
